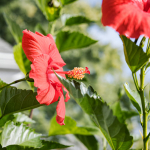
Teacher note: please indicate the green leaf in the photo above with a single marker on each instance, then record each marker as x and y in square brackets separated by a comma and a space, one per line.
[118, 112]
[14, 100]
[65, 2]
[66, 40]
[73, 20]
[47, 145]
[19, 135]
[89, 141]
[122, 115]
[134, 97]
[134, 55]
[22, 118]
[70, 127]
[2, 84]
[40, 29]
[51, 9]
[14, 28]
[21, 59]
[115, 132]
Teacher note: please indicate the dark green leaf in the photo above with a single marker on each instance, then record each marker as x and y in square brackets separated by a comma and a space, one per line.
[2, 83]
[115, 132]
[5, 119]
[89, 141]
[14, 29]
[65, 2]
[47, 145]
[50, 8]
[122, 115]
[13, 134]
[76, 20]
[118, 112]
[15, 100]
[134, 55]
[69, 128]
[134, 97]
[21, 59]
[66, 40]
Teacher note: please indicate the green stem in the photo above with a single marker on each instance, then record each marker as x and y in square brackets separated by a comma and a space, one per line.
[20, 80]
[135, 81]
[141, 92]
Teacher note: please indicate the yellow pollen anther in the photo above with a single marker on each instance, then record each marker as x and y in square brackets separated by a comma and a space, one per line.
[78, 73]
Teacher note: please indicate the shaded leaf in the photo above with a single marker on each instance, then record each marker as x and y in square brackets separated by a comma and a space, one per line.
[70, 127]
[15, 100]
[115, 132]
[134, 97]
[50, 8]
[89, 141]
[66, 40]
[134, 55]
[47, 145]
[22, 118]
[14, 28]
[40, 29]
[21, 59]
[118, 112]
[13, 134]
[73, 20]
[65, 2]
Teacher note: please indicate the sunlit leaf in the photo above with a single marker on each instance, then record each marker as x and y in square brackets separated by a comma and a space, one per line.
[134, 97]
[21, 59]
[50, 8]
[66, 40]
[5, 119]
[14, 28]
[13, 134]
[115, 132]
[134, 55]
[22, 118]
[70, 127]
[15, 100]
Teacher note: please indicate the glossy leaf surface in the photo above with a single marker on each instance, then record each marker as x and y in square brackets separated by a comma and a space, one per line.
[13, 134]
[115, 132]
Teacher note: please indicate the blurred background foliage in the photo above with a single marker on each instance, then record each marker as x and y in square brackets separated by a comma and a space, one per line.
[103, 61]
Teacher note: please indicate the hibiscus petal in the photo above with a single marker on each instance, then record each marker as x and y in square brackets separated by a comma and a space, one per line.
[39, 71]
[35, 44]
[46, 96]
[60, 108]
[128, 17]
[67, 94]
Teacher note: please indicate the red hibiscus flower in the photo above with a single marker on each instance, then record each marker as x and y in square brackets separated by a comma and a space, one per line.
[42, 52]
[128, 17]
